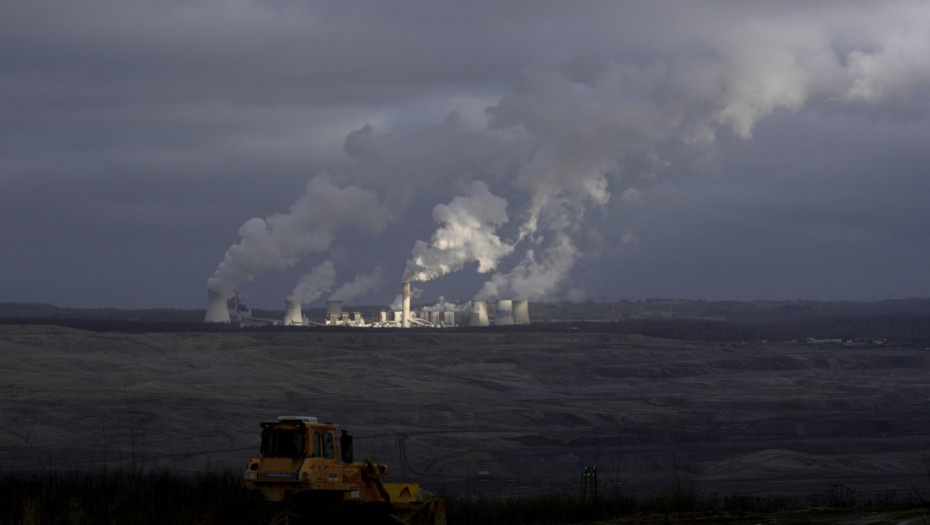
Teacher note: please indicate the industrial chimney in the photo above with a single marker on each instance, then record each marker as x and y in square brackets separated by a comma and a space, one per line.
[479, 313]
[292, 314]
[216, 308]
[504, 315]
[405, 315]
[521, 312]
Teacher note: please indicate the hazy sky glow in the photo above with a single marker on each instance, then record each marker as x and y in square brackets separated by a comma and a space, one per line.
[539, 150]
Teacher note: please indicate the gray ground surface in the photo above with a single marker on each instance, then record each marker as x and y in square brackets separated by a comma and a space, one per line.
[530, 409]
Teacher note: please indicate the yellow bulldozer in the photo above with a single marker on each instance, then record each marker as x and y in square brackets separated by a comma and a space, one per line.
[307, 467]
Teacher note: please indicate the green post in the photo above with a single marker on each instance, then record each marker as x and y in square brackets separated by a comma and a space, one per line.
[588, 482]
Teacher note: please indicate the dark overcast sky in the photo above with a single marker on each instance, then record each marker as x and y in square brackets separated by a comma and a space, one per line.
[525, 149]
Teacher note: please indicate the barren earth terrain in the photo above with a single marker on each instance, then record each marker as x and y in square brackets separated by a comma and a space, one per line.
[480, 412]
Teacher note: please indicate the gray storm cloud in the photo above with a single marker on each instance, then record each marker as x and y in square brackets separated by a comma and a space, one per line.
[467, 233]
[309, 226]
[312, 285]
[621, 103]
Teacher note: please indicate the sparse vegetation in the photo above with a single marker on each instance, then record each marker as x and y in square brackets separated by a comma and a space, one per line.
[172, 498]
[115, 497]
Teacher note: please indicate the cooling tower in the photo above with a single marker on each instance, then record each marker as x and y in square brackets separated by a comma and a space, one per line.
[521, 312]
[216, 308]
[479, 313]
[504, 313]
[292, 314]
[405, 294]
[333, 307]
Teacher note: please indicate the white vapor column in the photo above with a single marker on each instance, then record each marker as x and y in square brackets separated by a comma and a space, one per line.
[312, 285]
[216, 308]
[360, 285]
[309, 226]
[467, 233]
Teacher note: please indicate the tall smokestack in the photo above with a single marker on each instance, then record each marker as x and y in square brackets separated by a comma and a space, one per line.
[504, 313]
[521, 312]
[292, 314]
[405, 315]
[479, 313]
[216, 308]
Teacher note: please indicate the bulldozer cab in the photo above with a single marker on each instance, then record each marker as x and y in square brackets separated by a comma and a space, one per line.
[304, 437]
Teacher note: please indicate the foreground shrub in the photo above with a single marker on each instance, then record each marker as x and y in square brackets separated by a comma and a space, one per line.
[217, 497]
[114, 497]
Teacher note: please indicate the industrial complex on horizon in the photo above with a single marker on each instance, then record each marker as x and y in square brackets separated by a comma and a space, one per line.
[221, 309]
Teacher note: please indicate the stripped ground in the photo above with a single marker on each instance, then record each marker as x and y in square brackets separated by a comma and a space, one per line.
[897, 515]
[526, 410]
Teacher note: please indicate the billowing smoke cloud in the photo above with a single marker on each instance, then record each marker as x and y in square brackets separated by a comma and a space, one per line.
[398, 301]
[311, 286]
[466, 233]
[279, 241]
[445, 306]
[562, 140]
[534, 278]
[403, 165]
[586, 127]
[363, 283]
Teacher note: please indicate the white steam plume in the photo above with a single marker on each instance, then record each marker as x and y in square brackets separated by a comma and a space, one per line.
[444, 306]
[466, 234]
[534, 279]
[398, 302]
[311, 286]
[361, 284]
[586, 129]
[310, 224]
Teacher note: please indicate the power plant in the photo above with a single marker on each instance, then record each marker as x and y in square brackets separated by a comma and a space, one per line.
[227, 310]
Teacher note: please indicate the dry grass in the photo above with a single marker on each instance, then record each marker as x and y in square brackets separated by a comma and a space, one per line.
[214, 498]
[115, 497]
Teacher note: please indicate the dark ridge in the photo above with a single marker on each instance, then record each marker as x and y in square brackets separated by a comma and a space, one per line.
[908, 329]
